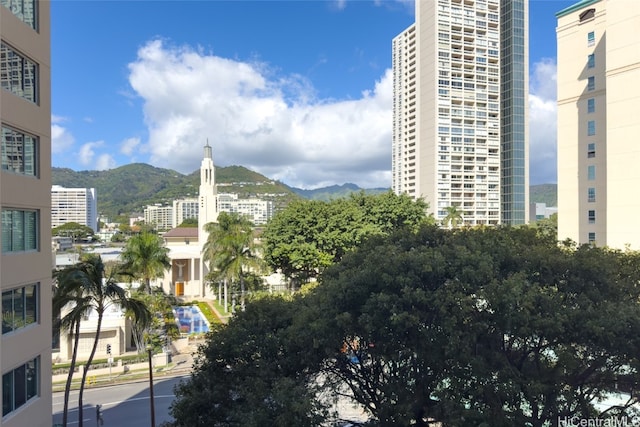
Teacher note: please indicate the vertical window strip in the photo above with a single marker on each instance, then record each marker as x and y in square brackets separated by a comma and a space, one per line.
[18, 74]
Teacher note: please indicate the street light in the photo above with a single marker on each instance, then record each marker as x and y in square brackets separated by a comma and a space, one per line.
[151, 402]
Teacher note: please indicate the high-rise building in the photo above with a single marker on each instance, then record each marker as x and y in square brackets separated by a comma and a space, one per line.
[460, 136]
[184, 209]
[25, 202]
[74, 205]
[160, 217]
[258, 211]
[598, 123]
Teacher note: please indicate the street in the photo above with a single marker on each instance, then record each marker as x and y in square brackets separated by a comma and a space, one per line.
[124, 405]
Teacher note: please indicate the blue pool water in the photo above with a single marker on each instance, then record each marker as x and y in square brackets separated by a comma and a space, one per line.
[190, 319]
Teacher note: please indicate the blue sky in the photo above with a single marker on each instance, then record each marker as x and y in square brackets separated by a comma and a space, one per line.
[299, 91]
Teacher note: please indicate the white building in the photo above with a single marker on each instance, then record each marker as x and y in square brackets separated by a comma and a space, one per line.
[25, 198]
[540, 211]
[161, 217]
[74, 205]
[460, 87]
[598, 122]
[184, 209]
[258, 211]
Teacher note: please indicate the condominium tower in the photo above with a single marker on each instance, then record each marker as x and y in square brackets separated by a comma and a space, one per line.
[25, 202]
[460, 136]
[79, 205]
[598, 122]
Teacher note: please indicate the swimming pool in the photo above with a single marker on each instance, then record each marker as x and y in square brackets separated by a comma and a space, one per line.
[190, 319]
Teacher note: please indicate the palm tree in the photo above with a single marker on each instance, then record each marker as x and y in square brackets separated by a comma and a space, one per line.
[146, 257]
[69, 293]
[453, 217]
[230, 250]
[87, 287]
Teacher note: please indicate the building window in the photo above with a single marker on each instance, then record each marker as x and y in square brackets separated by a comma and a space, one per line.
[591, 194]
[591, 172]
[591, 105]
[19, 308]
[591, 127]
[591, 150]
[591, 60]
[592, 217]
[591, 83]
[24, 10]
[592, 238]
[17, 73]
[19, 230]
[591, 38]
[19, 152]
[20, 385]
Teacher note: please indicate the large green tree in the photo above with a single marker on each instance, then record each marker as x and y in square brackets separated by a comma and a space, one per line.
[146, 258]
[308, 236]
[478, 327]
[74, 230]
[251, 373]
[89, 287]
[230, 250]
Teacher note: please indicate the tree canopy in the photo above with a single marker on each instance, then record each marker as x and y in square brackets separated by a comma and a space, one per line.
[309, 235]
[74, 230]
[481, 326]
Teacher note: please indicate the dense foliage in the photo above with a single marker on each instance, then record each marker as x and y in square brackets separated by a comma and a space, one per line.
[74, 230]
[310, 235]
[471, 327]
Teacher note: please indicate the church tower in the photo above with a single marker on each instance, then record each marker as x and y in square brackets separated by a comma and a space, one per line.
[208, 209]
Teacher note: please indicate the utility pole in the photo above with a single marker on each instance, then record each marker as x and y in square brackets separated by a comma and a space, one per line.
[151, 402]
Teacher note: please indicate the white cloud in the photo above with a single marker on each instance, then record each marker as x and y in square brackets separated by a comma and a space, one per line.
[104, 162]
[87, 152]
[542, 123]
[61, 138]
[264, 122]
[129, 145]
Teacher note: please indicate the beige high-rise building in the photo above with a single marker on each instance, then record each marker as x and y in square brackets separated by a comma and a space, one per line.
[460, 137]
[598, 122]
[25, 201]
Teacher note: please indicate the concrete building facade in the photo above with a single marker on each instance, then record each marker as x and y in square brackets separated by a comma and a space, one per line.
[598, 100]
[161, 217]
[460, 137]
[25, 201]
[258, 211]
[74, 205]
[184, 209]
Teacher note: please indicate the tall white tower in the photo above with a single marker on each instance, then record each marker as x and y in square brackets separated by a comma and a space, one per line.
[208, 209]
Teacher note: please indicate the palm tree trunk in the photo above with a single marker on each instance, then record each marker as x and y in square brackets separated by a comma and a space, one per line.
[72, 368]
[241, 293]
[86, 370]
[226, 296]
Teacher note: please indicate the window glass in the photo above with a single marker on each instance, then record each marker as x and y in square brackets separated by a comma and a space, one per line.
[18, 152]
[25, 10]
[591, 150]
[7, 393]
[17, 73]
[591, 194]
[20, 385]
[592, 217]
[591, 83]
[591, 105]
[591, 60]
[591, 172]
[19, 230]
[591, 38]
[592, 237]
[591, 127]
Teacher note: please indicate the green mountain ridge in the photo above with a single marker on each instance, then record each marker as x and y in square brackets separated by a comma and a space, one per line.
[129, 189]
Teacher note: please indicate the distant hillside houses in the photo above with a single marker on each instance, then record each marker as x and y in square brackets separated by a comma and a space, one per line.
[257, 210]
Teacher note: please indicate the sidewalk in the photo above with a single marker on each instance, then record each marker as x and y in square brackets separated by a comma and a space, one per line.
[180, 365]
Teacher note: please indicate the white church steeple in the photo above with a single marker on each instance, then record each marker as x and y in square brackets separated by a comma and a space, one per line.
[208, 209]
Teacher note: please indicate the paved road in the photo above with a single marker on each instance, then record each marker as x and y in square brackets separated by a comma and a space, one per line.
[125, 405]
